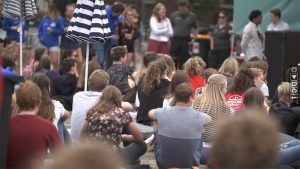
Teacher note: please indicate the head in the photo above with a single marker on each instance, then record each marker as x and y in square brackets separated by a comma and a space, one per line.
[117, 9]
[136, 13]
[12, 51]
[129, 17]
[230, 67]
[222, 17]
[46, 109]
[216, 83]
[93, 65]
[45, 63]
[258, 141]
[183, 6]
[70, 53]
[170, 65]
[111, 98]
[98, 80]
[275, 15]
[156, 71]
[284, 92]
[51, 9]
[184, 93]
[40, 53]
[208, 72]
[258, 75]
[69, 10]
[260, 64]
[256, 17]
[159, 11]
[242, 81]
[87, 156]
[178, 78]
[254, 99]
[69, 65]
[9, 40]
[28, 55]
[8, 62]
[194, 66]
[148, 58]
[28, 96]
[119, 53]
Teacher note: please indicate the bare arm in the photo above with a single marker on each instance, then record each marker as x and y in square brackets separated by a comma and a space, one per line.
[126, 106]
[84, 132]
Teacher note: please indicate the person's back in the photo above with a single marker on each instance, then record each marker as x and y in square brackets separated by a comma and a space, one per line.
[29, 138]
[179, 134]
[82, 102]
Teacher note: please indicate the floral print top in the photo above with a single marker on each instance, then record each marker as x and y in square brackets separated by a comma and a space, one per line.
[108, 126]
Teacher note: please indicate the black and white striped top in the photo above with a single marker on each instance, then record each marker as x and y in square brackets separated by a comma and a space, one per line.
[17, 9]
[89, 22]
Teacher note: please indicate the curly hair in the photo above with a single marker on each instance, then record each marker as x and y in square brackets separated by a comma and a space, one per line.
[111, 98]
[171, 69]
[154, 75]
[242, 81]
[194, 66]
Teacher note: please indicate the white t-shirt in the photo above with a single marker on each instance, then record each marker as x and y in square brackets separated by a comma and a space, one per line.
[59, 111]
[167, 102]
[280, 26]
[82, 103]
[265, 90]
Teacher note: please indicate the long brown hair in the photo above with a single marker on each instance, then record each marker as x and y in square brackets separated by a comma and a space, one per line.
[46, 109]
[154, 75]
[53, 11]
[111, 98]
[155, 14]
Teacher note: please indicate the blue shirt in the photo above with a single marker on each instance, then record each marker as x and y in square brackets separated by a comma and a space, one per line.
[51, 39]
[113, 22]
[179, 136]
[8, 23]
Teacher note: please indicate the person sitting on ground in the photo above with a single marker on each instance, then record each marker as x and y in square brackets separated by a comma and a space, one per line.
[52, 110]
[105, 123]
[179, 131]
[73, 54]
[44, 66]
[254, 101]
[241, 83]
[229, 69]
[213, 103]
[257, 145]
[194, 67]
[39, 54]
[85, 100]
[28, 56]
[289, 118]
[178, 78]
[30, 136]
[170, 63]
[119, 71]
[152, 89]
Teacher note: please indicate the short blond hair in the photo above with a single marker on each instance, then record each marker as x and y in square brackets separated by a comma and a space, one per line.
[194, 66]
[284, 91]
[229, 67]
[98, 80]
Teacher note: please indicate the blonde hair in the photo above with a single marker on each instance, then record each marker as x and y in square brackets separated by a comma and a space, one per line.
[155, 14]
[213, 97]
[257, 72]
[153, 76]
[194, 66]
[230, 67]
[284, 91]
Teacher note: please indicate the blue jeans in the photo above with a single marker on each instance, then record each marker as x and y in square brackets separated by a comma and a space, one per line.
[63, 133]
[289, 152]
[102, 50]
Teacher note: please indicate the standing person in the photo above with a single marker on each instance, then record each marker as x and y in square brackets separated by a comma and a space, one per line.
[220, 49]
[178, 131]
[114, 13]
[50, 29]
[12, 25]
[30, 136]
[184, 23]
[128, 32]
[276, 23]
[161, 30]
[253, 40]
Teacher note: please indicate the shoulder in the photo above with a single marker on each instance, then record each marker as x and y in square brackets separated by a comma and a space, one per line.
[191, 14]
[174, 14]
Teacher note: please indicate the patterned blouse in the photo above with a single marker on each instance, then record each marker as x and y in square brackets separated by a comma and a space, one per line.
[252, 41]
[108, 126]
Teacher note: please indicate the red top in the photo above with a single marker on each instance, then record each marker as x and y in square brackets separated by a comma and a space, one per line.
[235, 100]
[28, 141]
[196, 81]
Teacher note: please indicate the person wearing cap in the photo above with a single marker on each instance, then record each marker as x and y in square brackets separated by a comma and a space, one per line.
[184, 23]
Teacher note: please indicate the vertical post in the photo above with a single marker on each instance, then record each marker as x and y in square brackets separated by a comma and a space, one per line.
[21, 47]
[86, 66]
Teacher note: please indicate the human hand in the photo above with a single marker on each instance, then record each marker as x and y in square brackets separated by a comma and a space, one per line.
[128, 36]
[49, 29]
